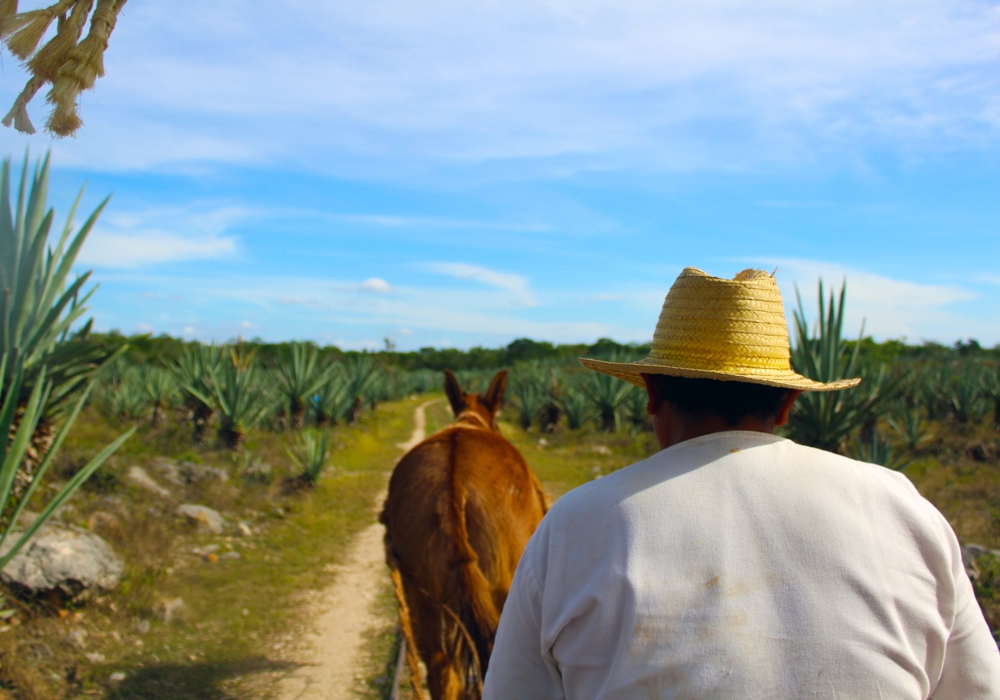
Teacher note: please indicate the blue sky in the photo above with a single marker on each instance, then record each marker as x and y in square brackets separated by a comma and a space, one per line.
[449, 173]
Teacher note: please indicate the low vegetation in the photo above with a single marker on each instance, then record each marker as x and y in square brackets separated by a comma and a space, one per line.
[251, 465]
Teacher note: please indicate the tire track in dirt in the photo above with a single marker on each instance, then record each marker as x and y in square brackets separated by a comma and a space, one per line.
[334, 656]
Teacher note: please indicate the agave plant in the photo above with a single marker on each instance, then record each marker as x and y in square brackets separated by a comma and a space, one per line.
[420, 381]
[876, 450]
[37, 309]
[910, 427]
[634, 408]
[160, 389]
[575, 405]
[360, 372]
[826, 419]
[300, 375]
[193, 372]
[606, 393]
[237, 398]
[528, 393]
[74, 360]
[965, 395]
[332, 402]
[991, 389]
[379, 389]
[931, 391]
[310, 453]
[127, 398]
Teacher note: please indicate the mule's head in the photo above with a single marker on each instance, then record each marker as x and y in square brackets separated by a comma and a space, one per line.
[476, 409]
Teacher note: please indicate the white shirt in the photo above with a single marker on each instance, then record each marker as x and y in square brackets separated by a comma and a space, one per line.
[742, 565]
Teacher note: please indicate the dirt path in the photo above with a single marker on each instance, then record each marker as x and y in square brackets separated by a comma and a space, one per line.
[331, 663]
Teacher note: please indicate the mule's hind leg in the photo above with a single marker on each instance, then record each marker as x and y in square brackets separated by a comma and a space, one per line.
[436, 649]
[443, 679]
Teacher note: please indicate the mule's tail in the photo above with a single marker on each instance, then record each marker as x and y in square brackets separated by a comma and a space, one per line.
[404, 619]
[478, 592]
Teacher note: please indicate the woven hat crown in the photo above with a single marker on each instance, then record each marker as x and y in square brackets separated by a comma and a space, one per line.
[718, 325]
[729, 330]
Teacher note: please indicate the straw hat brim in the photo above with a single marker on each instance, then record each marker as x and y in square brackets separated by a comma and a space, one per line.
[632, 373]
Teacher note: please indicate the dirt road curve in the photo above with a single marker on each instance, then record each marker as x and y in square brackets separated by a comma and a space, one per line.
[334, 658]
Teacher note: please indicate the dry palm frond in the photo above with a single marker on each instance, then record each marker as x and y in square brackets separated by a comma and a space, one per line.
[24, 30]
[50, 58]
[7, 8]
[69, 64]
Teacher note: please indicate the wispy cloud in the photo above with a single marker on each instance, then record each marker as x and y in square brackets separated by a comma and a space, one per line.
[515, 284]
[988, 278]
[136, 239]
[595, 84]
[889, 308]
[414, 221]
[322, 304]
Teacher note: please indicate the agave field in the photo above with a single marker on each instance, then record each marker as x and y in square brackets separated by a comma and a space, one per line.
[229, 477]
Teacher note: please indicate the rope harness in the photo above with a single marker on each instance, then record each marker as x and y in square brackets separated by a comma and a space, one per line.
[477, 674]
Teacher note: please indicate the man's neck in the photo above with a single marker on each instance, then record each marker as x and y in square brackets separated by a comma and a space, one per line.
[675, 428]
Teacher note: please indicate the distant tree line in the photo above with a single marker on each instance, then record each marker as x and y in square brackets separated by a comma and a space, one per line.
[144, 348]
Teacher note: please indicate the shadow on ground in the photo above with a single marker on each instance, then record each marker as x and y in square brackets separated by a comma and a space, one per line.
[195, 681]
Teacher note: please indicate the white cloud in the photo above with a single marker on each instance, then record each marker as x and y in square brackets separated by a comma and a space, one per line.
[515, 284]
[889, 308]
[376, 285]
[148, 247]
[123, 239]
[596, 82]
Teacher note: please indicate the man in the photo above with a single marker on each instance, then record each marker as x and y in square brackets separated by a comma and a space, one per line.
[735, 563]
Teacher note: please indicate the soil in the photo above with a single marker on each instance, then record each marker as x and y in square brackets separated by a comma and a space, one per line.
[331, 664]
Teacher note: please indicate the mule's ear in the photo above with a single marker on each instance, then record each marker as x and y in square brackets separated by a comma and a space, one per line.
[494, 395]
[454, 392]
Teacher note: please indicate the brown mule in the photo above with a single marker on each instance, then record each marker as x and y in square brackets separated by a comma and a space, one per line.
[461, 507]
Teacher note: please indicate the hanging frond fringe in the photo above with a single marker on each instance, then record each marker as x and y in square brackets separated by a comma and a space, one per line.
[8, 7]
[70, 67]
[50, 58]
[18, 114]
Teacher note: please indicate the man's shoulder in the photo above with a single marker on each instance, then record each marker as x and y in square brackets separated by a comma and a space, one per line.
[735, 447]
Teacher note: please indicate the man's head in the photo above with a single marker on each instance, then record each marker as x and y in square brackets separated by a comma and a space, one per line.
[720, 357]
[683, 408]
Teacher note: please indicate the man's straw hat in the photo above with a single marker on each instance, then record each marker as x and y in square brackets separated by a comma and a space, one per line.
[730, 330]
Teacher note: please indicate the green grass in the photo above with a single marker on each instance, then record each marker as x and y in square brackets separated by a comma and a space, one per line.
[236, 610]
[220, 652]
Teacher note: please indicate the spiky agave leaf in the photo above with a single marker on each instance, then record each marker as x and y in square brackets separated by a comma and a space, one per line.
[361, 371]
[606, 393]
[528, 391]
[310, 453]
[826, 419]
[160, 389]
[634, 409]
[237, 397]
[193, 372]
[991, 388]
[575, 405]
[878, 451]
[965, 395]
[910, 427]
[331, 404]
[300, 375]
[37, 365]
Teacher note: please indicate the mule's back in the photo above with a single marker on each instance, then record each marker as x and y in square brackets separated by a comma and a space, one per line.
[462, 484]
[460, 509]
